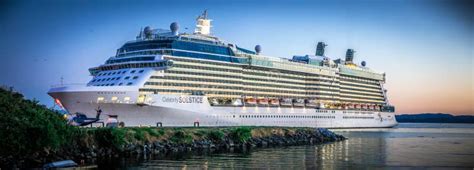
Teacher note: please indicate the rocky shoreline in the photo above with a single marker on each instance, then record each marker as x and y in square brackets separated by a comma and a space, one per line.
[318, 136]
[91, 147]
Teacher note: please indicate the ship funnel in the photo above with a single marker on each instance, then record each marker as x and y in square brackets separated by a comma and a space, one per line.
[174, 27]
[320, 48]
[349, 55]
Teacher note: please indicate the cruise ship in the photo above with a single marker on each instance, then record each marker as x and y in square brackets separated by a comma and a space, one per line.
[179, 79]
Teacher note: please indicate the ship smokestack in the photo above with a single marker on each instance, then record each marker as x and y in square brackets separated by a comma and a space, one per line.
[320, 48]
[349, 55]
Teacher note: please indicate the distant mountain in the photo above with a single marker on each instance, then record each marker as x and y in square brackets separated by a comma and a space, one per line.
[434, 118]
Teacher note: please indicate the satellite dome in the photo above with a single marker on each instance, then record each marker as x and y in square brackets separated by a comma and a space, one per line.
[258, 49]
[147, 31]
[174, 27]
[363, 63]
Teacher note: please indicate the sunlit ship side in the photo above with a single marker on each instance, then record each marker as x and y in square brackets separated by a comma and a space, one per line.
[168, 78]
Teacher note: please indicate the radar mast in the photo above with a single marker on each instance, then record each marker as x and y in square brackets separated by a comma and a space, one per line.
[203, 25]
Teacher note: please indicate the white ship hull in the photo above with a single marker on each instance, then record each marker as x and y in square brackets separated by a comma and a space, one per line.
[187, 111]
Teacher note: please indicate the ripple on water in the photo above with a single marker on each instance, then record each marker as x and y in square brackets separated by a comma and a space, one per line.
[408, 145]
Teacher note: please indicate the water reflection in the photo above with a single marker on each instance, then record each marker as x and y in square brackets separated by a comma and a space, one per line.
[349, 153]
[375, 148]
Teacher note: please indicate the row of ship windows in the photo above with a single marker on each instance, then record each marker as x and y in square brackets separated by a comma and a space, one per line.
[165, 51]
[200, 47]
[354, 80]
[300, 77]
[243, 86]
[286, 116]
[146, 52]
[359, 79]
[325, 111]
[204, 62]
[228, 87]
[260, 73]
[156, 91]
[238, 82]
[113, 78]
[205, 68]
[356, 117]
[368, 86]
[115, 92]
[202, 74]
[113, 84]
[123, 60]
[292, 73]
[177, 44]
[135, 65]
[118, 72]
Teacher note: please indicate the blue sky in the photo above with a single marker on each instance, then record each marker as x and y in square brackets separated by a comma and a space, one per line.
[425, 46]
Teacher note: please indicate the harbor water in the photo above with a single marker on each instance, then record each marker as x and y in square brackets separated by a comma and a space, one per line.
[409, 145]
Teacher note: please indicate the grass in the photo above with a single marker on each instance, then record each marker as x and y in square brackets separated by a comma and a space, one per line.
[118, 137]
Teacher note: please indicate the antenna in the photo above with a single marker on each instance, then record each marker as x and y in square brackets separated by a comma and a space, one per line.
[203, 24]
[140, 36]
[204, 14]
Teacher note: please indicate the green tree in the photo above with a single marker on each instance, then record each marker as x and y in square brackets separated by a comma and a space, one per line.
[27, 127]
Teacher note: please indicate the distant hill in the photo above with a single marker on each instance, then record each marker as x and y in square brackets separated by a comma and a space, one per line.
[434, 118]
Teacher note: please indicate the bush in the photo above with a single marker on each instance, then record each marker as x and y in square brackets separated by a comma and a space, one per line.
[241, 134]
[155, 132]
[215, 135]
[181, 137]
[139, 134]
[110, 137]
[27, 127]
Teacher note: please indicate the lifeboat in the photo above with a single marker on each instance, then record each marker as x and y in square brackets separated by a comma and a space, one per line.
[311, 103]
[214, 101]
[350, 106]
[263, 101]
[298, 102]
[274, 102]
[250, 100]
[378, 107]
[237, 102]
[286, 102]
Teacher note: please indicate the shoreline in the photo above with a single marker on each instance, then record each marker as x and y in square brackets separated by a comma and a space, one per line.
[92, 144]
